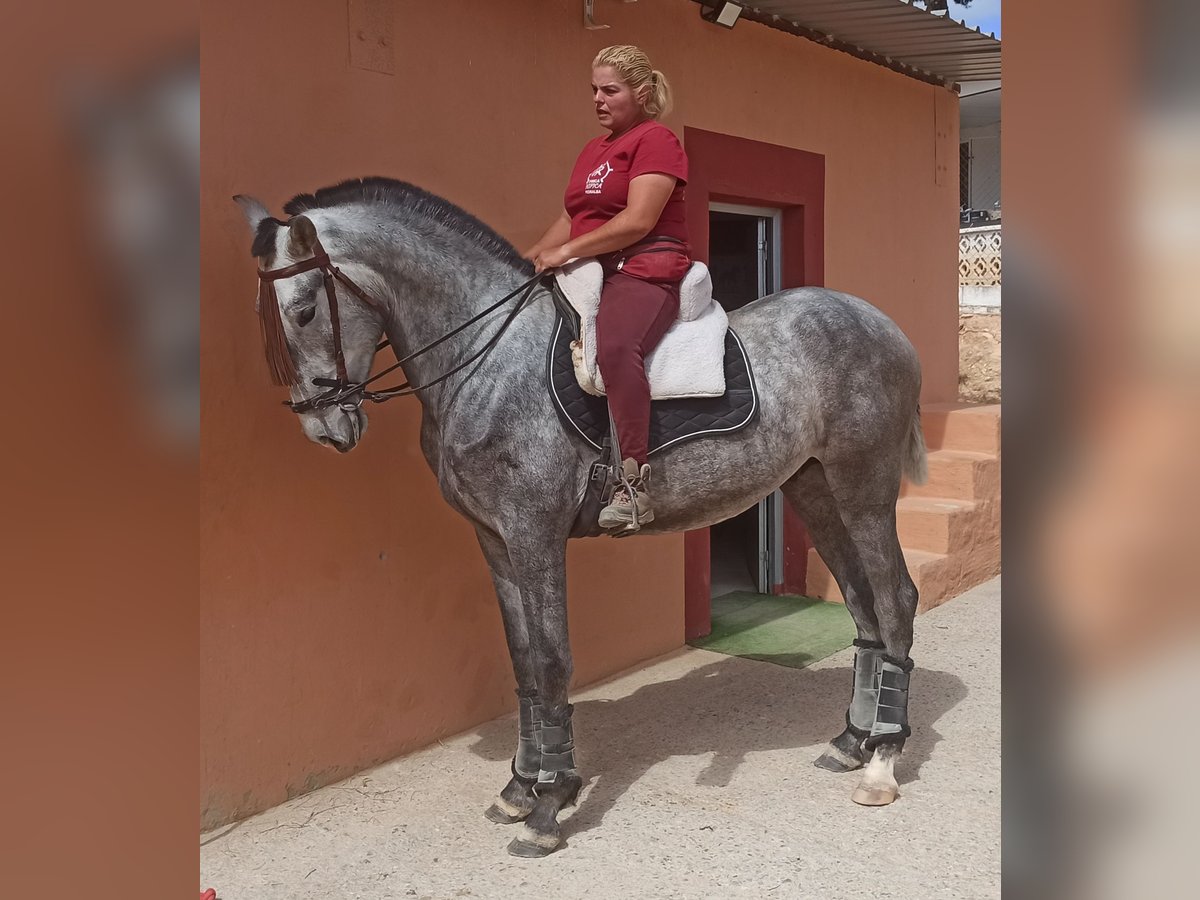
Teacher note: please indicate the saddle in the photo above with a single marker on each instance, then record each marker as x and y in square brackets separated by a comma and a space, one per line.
[688, 361]
[672, 421]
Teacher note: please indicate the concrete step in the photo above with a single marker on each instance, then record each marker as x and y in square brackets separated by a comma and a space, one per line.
[962, 426]
[938, 576]
[946, 525]
[958, 475]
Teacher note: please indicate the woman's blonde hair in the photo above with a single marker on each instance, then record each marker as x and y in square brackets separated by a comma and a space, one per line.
[633, 67]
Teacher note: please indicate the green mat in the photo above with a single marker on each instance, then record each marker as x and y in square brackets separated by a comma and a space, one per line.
[786, 630]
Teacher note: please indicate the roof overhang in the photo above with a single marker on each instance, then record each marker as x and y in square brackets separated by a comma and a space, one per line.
[979, 105]
[891, 33]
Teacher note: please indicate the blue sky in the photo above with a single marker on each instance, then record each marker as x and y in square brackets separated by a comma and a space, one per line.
[982, 13]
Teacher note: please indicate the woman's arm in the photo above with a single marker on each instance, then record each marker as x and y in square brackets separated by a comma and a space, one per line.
[648, 194]
[556, 235]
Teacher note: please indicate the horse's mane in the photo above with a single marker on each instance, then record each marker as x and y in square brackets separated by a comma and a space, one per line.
[390, 192]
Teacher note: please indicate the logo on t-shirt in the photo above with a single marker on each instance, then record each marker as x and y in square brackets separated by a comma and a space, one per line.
[595, 180]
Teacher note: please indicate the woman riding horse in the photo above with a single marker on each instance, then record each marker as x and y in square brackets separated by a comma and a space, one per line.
[624, 205]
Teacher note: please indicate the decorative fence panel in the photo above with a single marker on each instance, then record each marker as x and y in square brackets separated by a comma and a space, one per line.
[979, 256]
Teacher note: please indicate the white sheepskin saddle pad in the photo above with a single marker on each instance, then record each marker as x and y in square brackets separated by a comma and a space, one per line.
[689, 362]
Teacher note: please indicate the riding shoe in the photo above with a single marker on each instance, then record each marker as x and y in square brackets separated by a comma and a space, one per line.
[619, 512]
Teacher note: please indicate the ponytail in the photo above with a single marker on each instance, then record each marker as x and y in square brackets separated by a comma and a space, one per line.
[659, 97]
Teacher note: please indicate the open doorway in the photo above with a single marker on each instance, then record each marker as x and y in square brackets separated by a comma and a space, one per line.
[743, 259]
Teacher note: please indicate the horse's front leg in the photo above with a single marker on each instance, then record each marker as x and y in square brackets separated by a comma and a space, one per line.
[540, 569]
[516, 800]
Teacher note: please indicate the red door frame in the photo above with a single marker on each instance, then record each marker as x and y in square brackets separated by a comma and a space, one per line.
[729, 169]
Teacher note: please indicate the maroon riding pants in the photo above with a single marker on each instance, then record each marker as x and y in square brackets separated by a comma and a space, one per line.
[634, 315]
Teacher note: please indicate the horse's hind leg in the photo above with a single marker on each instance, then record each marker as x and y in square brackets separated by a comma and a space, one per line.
[516, 800]
[542, 577]
[867, 500]
[809, 494]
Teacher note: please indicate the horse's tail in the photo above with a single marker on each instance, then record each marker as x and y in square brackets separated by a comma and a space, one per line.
[916, 467]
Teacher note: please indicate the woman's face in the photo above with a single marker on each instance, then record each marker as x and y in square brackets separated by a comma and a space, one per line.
[617, 107]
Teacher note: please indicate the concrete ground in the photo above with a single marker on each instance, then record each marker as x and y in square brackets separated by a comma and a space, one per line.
[699, 784]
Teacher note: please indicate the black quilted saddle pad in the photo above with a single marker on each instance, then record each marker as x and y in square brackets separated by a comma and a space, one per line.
[672, 422]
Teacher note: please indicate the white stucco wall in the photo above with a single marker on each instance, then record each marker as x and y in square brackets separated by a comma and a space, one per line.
[979, 297]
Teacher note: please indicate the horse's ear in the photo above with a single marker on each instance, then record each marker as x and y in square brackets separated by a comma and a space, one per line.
[302, 237]
[252, 209]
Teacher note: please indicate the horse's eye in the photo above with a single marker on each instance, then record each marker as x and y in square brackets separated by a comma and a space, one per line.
[306, 316]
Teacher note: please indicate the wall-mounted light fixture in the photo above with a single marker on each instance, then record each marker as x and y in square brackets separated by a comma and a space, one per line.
[589, 17]
[720, 13]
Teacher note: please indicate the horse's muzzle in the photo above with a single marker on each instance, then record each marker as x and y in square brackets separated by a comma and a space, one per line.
[339, 427]
[339, 445]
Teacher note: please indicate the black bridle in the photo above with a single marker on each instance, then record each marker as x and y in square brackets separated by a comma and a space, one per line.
[342, 392]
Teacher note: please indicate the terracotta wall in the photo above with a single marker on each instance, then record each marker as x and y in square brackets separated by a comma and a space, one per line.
[347, 615]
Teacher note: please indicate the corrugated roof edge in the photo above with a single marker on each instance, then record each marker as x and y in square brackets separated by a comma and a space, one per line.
[986, 45]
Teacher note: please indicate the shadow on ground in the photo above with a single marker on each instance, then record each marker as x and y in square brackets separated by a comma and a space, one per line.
[728, 708]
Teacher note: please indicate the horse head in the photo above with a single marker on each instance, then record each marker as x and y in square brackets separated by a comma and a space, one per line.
[299, 324]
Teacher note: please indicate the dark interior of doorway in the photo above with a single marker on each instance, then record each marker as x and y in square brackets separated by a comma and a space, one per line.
[733, 264]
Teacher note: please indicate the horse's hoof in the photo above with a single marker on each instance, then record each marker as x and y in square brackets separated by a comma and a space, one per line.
[529, 844]
[503, 813]
[834, 761]
[874, 795]
[525, 850]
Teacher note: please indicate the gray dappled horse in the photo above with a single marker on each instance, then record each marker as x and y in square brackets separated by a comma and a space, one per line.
[839, 423]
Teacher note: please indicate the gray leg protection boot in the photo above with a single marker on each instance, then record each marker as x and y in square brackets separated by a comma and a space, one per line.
[528, 761]
[879, 786]
[558, 751]
[845, 752]
[891, 706]
[557, 786]
[860, 717]
[516, 800]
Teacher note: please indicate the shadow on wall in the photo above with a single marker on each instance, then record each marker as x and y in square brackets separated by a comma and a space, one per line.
[728, 709]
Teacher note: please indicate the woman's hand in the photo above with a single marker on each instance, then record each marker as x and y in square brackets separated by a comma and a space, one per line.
[557, 234]
[551, 258]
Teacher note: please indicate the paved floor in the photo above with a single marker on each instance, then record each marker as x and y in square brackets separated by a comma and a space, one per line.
[700, 785]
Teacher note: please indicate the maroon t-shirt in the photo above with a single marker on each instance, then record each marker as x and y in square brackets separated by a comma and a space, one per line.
[599, 184]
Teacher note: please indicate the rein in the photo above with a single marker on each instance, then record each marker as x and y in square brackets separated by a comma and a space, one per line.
[341, 391]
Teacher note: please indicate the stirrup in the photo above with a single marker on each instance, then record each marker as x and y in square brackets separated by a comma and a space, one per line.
[626, 475]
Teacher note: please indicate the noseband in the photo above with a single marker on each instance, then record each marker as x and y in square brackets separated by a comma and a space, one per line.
[342, 392]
